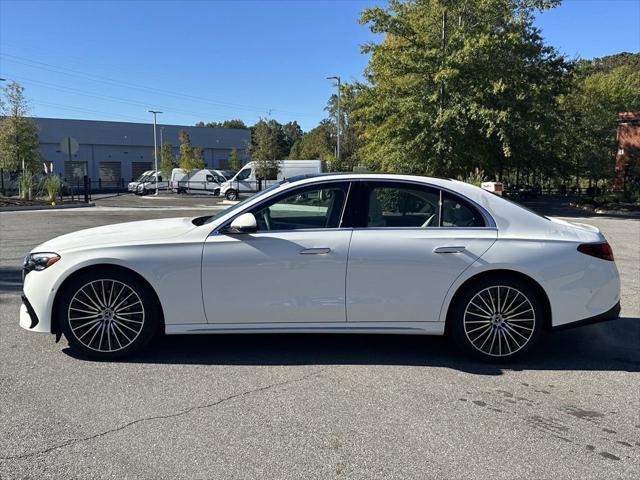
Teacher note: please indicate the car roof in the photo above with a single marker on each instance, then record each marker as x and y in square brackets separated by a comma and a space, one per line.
[311, 177]
[507, 216]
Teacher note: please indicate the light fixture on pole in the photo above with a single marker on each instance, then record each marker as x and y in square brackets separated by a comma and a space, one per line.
[338, 120]
[155, 145]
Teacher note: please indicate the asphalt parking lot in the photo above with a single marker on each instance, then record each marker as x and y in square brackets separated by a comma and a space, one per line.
[322, 406]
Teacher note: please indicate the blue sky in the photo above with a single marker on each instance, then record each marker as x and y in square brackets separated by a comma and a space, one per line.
[213, 60]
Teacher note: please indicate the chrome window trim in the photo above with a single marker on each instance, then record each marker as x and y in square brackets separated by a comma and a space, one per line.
[490, 223]
[258, 204]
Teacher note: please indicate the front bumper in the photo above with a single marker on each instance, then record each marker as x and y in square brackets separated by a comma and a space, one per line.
[612, 314]
[28, 317]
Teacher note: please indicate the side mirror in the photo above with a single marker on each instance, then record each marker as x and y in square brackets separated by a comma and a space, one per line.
[245, 223]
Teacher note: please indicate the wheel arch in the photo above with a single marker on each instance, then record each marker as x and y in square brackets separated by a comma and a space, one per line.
[55, 328]
[500, 274]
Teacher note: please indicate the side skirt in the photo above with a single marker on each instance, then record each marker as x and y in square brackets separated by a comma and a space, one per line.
[397, 328]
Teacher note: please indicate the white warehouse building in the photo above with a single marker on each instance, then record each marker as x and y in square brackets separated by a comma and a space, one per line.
[114, 153]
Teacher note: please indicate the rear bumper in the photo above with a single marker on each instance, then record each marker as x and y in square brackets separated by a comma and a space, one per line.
[612, 314]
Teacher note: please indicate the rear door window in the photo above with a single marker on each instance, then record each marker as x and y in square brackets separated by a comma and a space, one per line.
[402, 205]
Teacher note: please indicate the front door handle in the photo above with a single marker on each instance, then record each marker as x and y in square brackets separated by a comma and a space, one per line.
[452, 249]
[314, 251]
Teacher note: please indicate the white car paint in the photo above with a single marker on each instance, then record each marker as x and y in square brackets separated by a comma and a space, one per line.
[370, 280]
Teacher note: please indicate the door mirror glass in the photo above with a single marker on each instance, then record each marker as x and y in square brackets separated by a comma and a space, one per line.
[245, 223]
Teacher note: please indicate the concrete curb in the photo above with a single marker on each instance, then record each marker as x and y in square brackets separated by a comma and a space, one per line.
[600, 212]
[46, 207]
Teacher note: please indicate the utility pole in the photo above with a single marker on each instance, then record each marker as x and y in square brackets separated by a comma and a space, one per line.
[161, 145]
[337, 79]
[155, 145]
[2, 190]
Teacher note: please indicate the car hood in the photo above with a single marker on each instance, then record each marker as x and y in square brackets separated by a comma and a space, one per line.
[119, 233]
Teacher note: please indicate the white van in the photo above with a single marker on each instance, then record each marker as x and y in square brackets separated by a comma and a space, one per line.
[148, 185]
[203, 181]
[133, 186]
[245, 180]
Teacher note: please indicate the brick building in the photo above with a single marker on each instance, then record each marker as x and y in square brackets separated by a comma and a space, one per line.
[628, 153]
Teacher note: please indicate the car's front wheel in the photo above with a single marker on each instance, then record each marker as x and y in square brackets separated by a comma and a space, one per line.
[107, 314]
[497, 319]
[231, 195]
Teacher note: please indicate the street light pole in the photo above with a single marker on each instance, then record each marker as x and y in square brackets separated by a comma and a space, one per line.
[338, 120]
[155, 145]
[2, 190]
[161, 145]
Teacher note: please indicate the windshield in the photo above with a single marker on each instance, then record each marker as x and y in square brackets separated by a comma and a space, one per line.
[142, 178]
[239, 205]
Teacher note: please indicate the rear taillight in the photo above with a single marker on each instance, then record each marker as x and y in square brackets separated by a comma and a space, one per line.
[599, 250]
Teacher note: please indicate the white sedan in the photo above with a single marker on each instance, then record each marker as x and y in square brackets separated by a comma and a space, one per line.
[339, 253]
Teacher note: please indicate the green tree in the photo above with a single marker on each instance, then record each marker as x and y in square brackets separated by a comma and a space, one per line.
[18, 135]
[167, 159]
[455, 86]
[190, 157]
[234, 123]
[349, 133]
[292, 133]
[235, 163]
[315, 144]
[602, 88]
[268, 145]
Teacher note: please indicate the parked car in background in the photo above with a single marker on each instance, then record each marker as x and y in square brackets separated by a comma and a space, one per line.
[337, 253]
[133, 186]
[524, 191]
[246, 180]
[149, 184]
[204, 181]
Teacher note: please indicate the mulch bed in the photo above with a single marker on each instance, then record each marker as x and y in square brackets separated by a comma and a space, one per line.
[18, 202]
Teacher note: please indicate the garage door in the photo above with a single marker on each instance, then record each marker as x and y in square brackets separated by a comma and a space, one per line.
[138, 168]
[110, 174]
[74, 172]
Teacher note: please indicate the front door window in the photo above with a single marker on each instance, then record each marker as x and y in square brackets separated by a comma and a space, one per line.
[304, 209]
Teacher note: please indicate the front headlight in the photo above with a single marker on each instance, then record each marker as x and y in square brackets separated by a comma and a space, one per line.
[39, 261]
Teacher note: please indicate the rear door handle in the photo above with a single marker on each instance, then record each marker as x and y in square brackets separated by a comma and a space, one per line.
[452, 249]
[314, 251]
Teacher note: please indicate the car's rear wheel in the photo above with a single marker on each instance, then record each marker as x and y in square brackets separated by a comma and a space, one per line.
[497, 319]
[107, 314]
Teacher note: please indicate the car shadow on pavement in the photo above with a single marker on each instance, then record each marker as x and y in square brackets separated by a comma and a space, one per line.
[10, 279]
[610, 346]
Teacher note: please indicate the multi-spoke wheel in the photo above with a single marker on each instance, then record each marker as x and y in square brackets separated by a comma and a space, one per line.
[105, 314]
[496, 319]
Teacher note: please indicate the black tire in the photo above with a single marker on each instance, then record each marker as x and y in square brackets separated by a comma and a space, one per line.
[112, 329]
[231, 195]
[497, 309]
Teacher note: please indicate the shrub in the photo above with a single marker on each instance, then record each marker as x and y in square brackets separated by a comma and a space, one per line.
[25, 182]
[52, 185]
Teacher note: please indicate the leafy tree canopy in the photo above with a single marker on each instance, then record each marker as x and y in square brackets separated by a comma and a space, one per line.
[190, 157]
[456, 85]
[18, 135]
[235, 123]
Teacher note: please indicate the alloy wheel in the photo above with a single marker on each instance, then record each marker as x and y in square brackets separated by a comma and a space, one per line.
[499, 321]
[106, 315]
